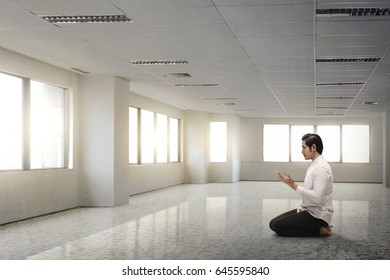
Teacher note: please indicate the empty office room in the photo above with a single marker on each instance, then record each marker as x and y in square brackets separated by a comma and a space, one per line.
[155, 129]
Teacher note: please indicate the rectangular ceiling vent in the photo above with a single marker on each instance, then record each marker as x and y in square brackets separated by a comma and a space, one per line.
[335, 97]
[329, 114]
[220, 98]
[196, 85]
[348, 60]
[341, 84]
[370, 103]
[332, 107]
[86, 19]
[181, 75]
[158, 62]
[227, 104]
[353, 12]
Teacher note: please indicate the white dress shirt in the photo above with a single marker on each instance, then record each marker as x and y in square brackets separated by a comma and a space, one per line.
[316, 191]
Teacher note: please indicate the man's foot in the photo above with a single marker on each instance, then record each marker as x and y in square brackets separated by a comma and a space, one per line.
[325, 231]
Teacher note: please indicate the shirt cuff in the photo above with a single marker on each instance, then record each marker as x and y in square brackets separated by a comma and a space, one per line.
[300, 189]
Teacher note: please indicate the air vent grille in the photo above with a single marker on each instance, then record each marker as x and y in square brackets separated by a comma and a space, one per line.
[158, 62]
[220, 98]
[335, 97]
[86, 19]
[348, 60]
[354, 12]
[196, 85]
[332, 107]
[341, 84]
[329, 114]
[370, 103]
[181, 75]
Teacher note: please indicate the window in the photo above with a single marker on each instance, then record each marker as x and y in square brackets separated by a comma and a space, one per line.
[162, 138]
[11, 122]
[346, 143]
[153, 137]
[276, 143]
[133, 135]
[218, 141]
[33, 124]
[147, 136]
[297, 131]
[174, 140]
[330, 135]
[355, 143]
[47, 126]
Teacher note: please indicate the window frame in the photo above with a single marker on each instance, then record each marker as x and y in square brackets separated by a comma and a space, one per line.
[315, 126]
[26, 129]
[155, 150]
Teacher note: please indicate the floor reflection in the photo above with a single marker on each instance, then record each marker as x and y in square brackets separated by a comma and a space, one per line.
[211, 221]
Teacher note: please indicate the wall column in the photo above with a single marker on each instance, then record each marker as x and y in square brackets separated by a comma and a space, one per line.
[196, 148]
[104, 141]
[386, 149]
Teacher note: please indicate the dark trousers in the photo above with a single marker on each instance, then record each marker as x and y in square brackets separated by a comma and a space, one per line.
[297, 224]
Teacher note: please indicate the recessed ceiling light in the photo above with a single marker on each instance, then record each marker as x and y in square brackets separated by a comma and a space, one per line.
[353, 12]
[348, 60]
[158, 62]
[86, 19]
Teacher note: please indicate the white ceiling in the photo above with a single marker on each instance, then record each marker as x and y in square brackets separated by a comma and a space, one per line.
[261, 53]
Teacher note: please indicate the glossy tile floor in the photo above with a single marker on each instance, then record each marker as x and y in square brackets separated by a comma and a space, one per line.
[211, 221]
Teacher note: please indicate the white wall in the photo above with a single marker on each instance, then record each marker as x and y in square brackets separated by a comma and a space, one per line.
[24, 194]
[252, 167]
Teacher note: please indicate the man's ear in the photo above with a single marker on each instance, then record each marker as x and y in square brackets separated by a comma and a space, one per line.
[313, 148]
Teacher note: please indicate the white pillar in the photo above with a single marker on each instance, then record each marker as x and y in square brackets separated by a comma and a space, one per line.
[386, 149]
[104, 141]
[196, 147]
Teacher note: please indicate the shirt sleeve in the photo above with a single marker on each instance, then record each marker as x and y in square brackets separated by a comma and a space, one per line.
[321, 183]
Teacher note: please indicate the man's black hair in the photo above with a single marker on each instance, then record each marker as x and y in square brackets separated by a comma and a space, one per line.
[311, 139]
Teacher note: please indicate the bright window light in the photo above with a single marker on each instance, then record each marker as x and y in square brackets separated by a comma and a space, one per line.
[330, 135]
[147, 136]
[153, 137]
[218, 141]
[133, 135]
[11, 122]
[356, 143]
[297, 131]
[173, 140]
[276, 143]
[47, 139]
[162, 138]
